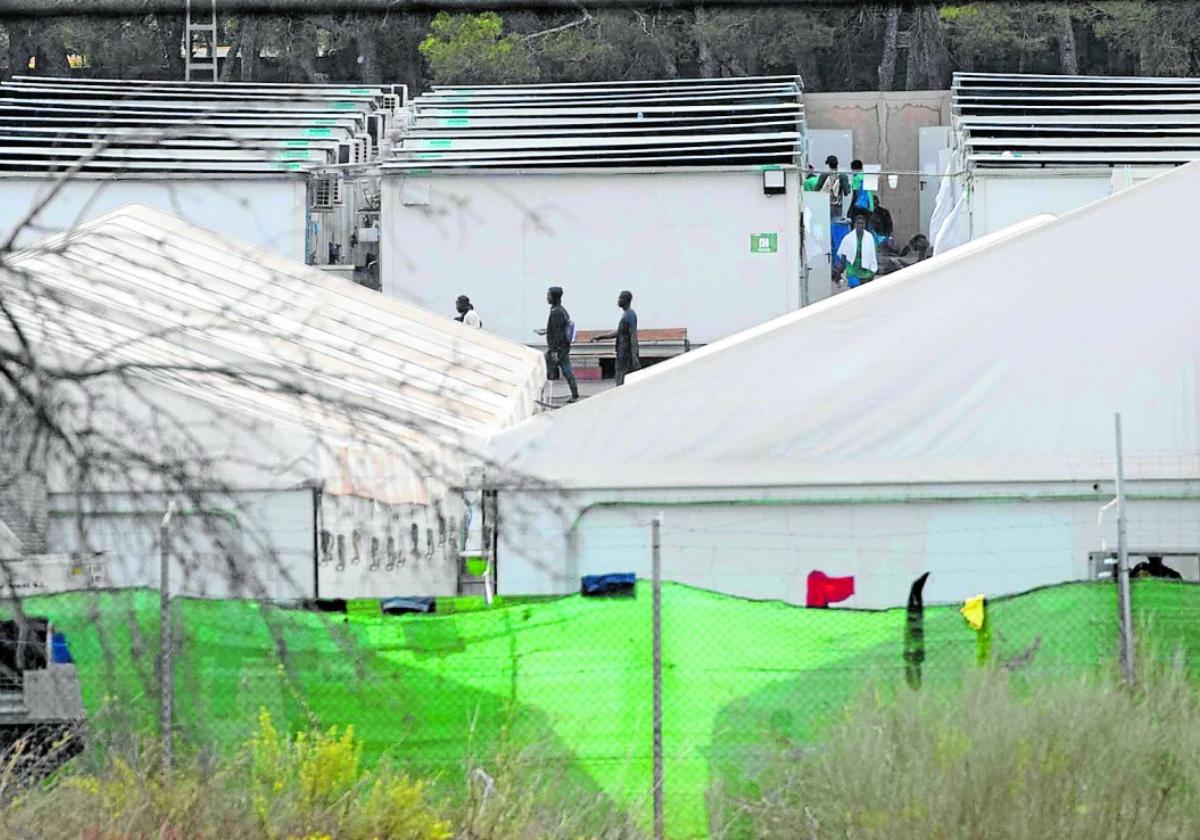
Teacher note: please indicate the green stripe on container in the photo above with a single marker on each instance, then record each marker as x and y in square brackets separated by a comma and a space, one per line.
[318, 132]
[298, 144]
[326, 121]
[438, 144]
[344, 106]
[360, 91]
[460, 112]
[456, 122]
[429, 155]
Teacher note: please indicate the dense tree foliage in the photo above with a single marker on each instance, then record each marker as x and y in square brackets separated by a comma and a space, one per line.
[914, 45]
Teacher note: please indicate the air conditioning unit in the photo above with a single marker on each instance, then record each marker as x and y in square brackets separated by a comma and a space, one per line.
[326, 192]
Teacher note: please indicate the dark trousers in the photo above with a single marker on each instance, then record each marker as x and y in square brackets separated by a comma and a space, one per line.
[559, 362]
[625, 366]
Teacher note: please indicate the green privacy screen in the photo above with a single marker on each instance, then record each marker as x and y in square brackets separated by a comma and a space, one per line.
[564, 685]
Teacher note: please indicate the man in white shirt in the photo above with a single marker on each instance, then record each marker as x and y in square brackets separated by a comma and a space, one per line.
[466, 313]
[856, 254]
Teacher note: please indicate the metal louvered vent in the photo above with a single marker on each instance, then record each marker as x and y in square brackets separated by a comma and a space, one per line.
[113, 126]
[675, 123]
[1036, 121]
[326, 192]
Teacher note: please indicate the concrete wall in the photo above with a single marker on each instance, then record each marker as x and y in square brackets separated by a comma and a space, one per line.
[682, 241]
[885, 127]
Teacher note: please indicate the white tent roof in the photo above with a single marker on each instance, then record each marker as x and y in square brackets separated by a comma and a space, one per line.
[1000, 361]
[347, 384]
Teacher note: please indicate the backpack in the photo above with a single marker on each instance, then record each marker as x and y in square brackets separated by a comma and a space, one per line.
[833, 186]
[569, 332]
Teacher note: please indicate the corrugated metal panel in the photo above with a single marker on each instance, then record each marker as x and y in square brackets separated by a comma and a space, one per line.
[47, 124]
[1027, 121]
[702, 122]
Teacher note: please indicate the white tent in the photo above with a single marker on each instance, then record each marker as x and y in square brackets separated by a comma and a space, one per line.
[955, 417]
[334, 422]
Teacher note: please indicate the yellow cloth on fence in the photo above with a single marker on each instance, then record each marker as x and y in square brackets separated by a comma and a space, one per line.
[973, 612]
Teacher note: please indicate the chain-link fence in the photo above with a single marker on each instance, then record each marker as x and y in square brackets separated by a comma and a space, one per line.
[560, 691]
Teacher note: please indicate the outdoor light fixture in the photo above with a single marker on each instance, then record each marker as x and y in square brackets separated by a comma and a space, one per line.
[773, 182]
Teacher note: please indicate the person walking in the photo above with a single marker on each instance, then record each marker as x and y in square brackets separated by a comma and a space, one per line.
[856, 254]
[559, 333]
[627, 338]
[466, 313]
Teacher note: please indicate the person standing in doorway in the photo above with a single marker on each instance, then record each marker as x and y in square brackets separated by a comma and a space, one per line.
[856, 254]
[837, 184]
[626, 335]
[466, 313]
[559, 334]
[862, 200]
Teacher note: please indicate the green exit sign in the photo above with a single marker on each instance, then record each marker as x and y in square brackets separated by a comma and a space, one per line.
[764, 243]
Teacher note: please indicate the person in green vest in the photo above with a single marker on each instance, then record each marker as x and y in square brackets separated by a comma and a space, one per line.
[811, 180]
[862, 200]
[857, 256]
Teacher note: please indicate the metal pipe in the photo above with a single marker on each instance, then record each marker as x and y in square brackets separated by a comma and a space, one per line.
[132, 8]
[870, 500]
[166, 662]
[1124, 600]
[656, 621]
[217, 513]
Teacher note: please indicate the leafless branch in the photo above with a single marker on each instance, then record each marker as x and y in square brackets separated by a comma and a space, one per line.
[585, 19]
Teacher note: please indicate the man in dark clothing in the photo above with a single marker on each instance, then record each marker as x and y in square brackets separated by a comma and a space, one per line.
[558, 341]
[627, 339]
[1154, 567]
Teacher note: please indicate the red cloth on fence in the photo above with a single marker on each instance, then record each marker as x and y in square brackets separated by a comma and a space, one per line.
[824, 590]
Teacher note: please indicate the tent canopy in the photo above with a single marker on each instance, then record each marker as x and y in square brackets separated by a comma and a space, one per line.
[254, 352]
[1000, 361]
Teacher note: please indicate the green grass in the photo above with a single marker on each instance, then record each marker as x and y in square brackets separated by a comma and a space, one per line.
[566, 682]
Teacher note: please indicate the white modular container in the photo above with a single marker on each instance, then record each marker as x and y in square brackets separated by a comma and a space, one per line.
[704, 249]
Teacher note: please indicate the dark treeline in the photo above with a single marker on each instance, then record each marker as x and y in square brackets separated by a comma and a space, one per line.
[834, 47]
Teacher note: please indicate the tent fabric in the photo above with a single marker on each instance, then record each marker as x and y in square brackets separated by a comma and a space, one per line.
[365, 394]
[1003, 360]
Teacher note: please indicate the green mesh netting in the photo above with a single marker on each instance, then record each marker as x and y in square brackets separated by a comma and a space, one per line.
[566, 683]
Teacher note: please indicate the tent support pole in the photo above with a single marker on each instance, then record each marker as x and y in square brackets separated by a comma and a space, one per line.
[656, 611]
[1124, 600]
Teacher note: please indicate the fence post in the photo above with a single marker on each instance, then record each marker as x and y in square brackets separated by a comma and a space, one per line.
[1124, 604]
[166, 659]
[656, 610]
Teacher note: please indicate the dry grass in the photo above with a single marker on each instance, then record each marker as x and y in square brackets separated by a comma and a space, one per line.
[309, 786]
[995, 761]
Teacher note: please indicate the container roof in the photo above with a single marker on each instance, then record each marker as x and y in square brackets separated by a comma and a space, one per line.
[1031, 121]
[686, 122]
[111, 127]
[245, 335]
